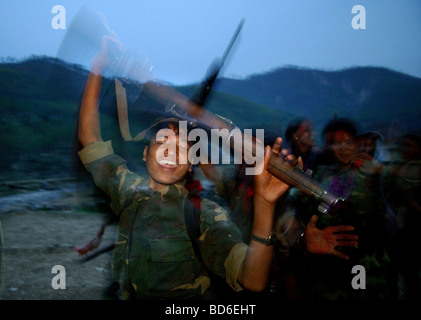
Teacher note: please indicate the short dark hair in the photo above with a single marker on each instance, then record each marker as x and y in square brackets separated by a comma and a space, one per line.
[340, 124]
[172, 124]
[292, 128]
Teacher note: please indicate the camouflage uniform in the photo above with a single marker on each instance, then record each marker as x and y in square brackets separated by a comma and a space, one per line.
[237, 190]
[154, 257]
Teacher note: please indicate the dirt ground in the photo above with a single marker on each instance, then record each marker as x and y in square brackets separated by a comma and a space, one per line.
[38, 238]
[42, 220]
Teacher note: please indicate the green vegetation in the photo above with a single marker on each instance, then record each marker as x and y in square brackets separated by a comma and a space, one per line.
[39, 103]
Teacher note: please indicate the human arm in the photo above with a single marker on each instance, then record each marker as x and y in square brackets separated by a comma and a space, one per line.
[89, 124]
[325, 241]
[254, 270]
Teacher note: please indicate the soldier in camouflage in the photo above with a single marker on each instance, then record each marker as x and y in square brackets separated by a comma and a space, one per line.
[154, 257]
[350, 175]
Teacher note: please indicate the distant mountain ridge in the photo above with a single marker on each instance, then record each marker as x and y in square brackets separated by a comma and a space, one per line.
[40, 97]
[39, 105]
[369, 95]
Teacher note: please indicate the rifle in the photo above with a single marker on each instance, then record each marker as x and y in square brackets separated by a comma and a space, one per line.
[193, 110]
[202, 92]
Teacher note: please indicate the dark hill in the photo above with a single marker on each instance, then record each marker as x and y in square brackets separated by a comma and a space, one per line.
[39, 104]
[372, 96]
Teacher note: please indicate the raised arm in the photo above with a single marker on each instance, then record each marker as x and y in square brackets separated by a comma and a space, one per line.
[89, 125]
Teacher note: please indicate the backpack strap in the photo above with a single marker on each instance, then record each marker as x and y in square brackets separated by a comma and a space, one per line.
[123, 117]
[219, 286]
[192, 220]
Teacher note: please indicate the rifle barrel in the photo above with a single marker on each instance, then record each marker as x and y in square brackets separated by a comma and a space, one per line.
[294, 177]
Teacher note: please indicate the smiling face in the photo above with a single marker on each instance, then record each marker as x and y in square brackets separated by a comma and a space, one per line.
[343, 146]
[166, 158]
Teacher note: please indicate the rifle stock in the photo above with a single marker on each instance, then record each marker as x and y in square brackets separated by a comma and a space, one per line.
[291, 175]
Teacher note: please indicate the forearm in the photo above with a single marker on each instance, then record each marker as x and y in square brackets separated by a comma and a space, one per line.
[254, 272]
[89, 123]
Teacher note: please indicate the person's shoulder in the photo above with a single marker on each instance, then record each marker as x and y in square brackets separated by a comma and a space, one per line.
[208, 204]
[212, 210]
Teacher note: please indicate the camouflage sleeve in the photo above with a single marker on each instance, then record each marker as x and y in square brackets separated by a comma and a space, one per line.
[220, 243]
[110, 173]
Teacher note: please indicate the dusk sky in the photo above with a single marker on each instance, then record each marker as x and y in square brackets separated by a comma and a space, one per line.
[182, 37]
